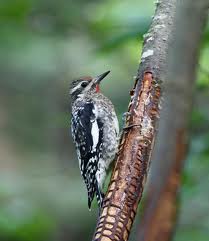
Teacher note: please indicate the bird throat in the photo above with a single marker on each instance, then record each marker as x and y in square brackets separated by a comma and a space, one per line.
[97, 88]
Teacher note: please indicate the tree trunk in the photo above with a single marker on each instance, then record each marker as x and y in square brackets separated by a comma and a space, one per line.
[160, 213]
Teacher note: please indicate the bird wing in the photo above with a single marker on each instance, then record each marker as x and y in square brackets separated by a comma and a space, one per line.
[87, 130]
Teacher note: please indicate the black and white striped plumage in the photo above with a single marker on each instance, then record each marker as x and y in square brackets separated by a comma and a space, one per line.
[95, 132]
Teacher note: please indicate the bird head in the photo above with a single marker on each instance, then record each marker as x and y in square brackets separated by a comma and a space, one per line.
[85, 85]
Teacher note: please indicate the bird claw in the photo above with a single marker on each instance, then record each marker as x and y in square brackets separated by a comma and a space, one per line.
[130, 126]
[124, 116]
[124, 121]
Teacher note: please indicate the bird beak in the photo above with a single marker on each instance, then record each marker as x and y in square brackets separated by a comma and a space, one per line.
[100, 77]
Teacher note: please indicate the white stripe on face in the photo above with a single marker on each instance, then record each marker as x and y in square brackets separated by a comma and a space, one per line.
[78, 86]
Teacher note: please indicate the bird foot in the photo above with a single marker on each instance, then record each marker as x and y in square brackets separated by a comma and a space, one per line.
[124, 116]
[130, 126]
[124, 121]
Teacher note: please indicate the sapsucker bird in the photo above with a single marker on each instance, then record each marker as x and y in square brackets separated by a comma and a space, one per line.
[95, 132]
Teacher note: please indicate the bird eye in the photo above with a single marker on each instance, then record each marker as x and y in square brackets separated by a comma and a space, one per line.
[84, 84]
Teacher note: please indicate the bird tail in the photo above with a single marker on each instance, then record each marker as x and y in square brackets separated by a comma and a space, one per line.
[91, 192]
[99, 195]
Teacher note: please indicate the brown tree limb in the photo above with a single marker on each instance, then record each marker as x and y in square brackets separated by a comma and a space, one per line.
[159, 218]
[160, 213]
[132, 162]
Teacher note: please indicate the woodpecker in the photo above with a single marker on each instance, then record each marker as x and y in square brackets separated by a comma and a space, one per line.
[95, 132]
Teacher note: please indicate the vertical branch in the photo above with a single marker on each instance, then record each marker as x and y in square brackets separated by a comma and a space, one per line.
[160, 213]
[132, 162]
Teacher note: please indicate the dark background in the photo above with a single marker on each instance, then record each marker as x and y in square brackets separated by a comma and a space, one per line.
[43, 46]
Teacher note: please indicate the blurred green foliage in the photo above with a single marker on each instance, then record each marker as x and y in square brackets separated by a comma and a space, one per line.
[44, 45]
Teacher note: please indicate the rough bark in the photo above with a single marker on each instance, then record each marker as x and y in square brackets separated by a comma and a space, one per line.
[132, 162]
[160, 213]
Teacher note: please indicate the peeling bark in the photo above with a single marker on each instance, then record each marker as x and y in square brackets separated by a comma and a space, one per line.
[132, 162]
